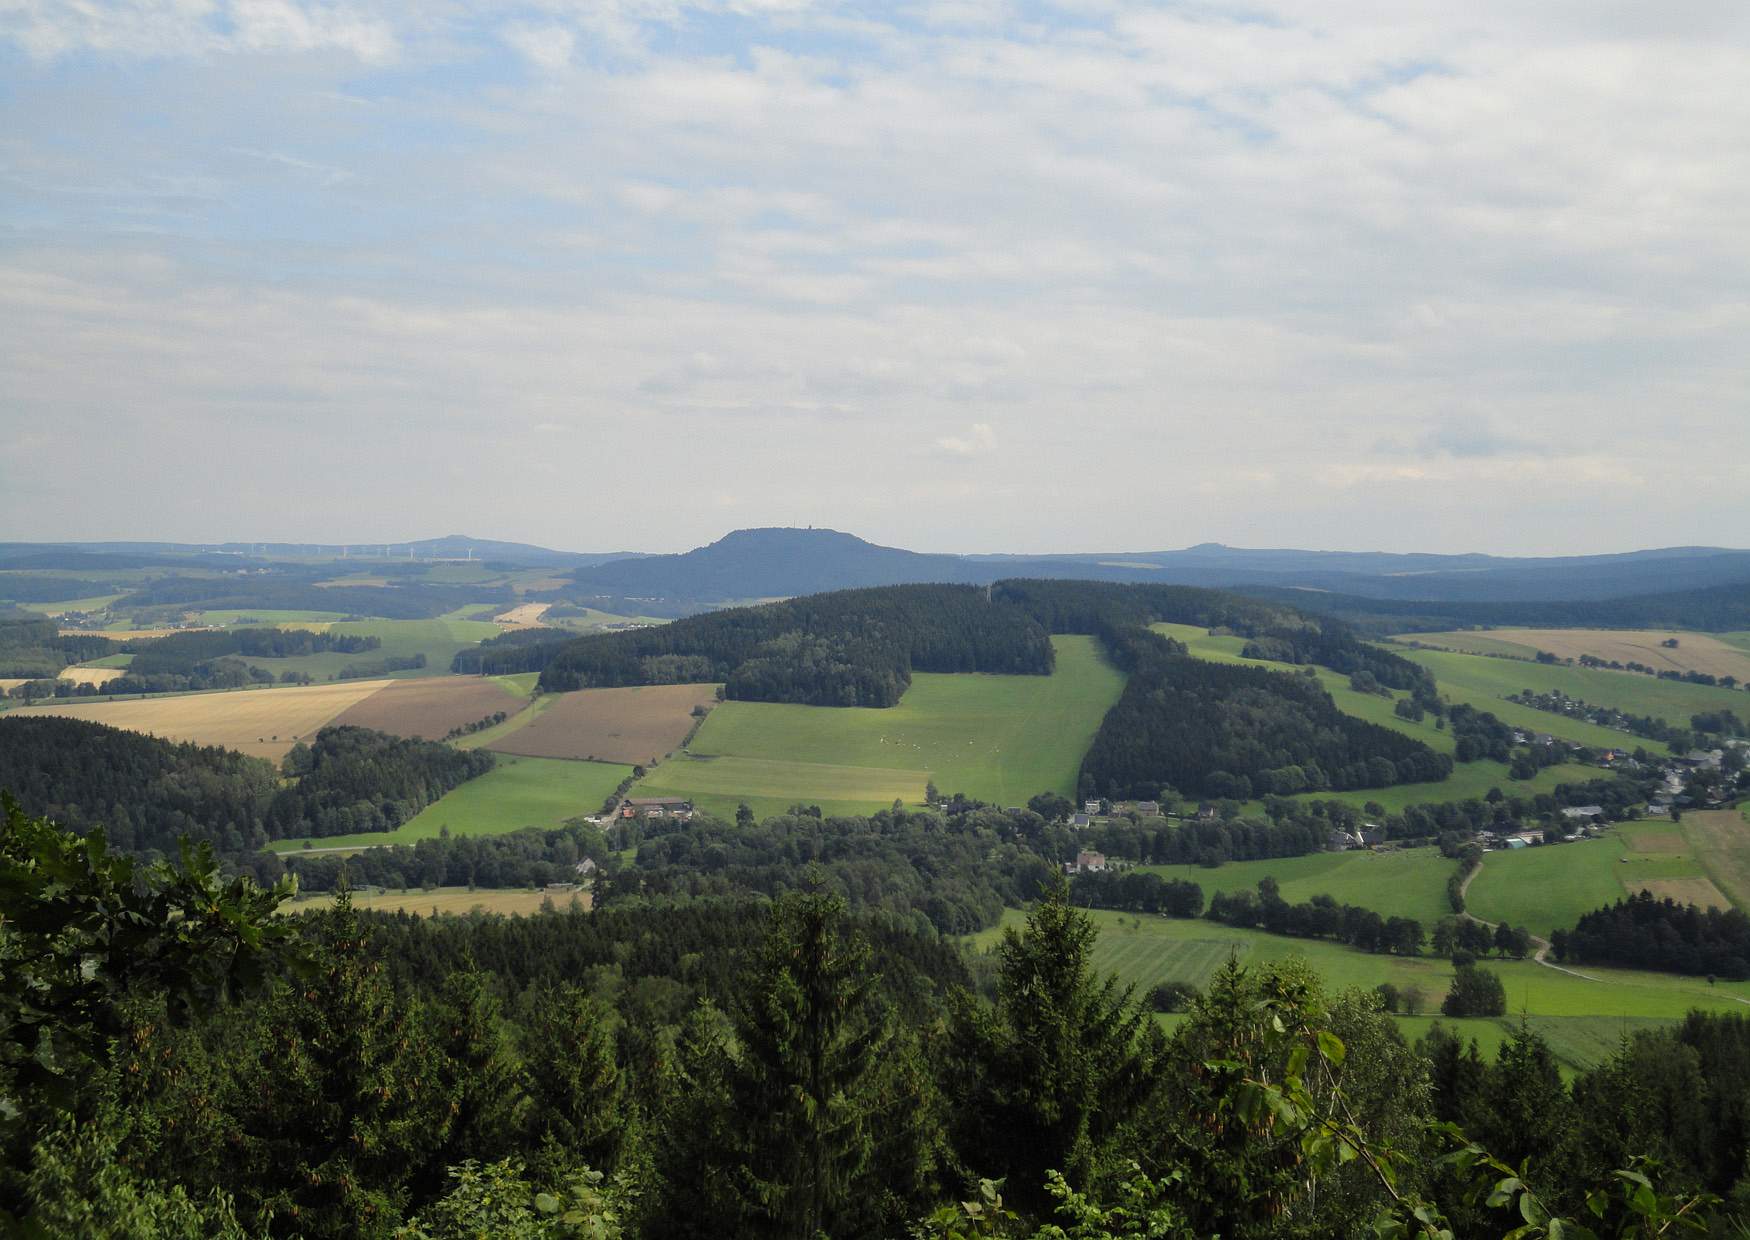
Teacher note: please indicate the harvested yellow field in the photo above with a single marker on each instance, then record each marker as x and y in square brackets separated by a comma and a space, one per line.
[262, 722]
[92, 675]
[1694, 652]
[8, 683]
[1700, 892]
[519, 902]
[527, 616]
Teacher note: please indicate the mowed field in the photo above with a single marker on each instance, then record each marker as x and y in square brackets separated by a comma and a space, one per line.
[1694, 652]
[1551, 887]
[1483, 682]
[435, 901]
[1409, 882]
[262, 722]
[1581, 1017]
[517, 793]
[998, 738]
[638, 725]
[92, 675]
[429, 708]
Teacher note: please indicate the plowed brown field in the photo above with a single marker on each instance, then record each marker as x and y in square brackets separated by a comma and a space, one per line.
[637, 725]
[428, 708]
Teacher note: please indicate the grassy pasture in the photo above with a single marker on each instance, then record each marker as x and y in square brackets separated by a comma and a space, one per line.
[1721, 840]
[1468, 781]
[96, 602]
[1694, 652]
[1584, 1017]
[998, 738]
[517, 793]
[637, 725]
[1408, 882]
[717, 784]
[437, 640]
[513, 902]
[262, 722]
[225, 617]
[428, 708]
[1483, 682]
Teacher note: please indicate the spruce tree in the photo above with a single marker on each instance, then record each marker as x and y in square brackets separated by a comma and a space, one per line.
[482, 1068]
[1046, 1079]
[813, 1078]
[576, 1112]
[342, 1099]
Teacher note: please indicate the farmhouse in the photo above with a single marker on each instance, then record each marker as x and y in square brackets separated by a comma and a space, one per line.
[1088, 863]
[1148, 809]
[1080, 821]
[1582, 811]
[1090, 807]
[657, 807]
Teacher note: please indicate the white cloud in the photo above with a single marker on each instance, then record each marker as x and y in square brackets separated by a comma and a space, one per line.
[978, 441]
[1370, 266]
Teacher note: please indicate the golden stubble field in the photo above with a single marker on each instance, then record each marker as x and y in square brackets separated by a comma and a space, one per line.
[1694, 652]
[262, 722]
[92, 675]
[439, 900]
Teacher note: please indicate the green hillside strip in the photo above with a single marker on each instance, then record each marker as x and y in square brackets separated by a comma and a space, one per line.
[1372, 707]
[1409, 882]
[437, 640]
[998, 738]
[771, 786]
[1483, 682]
[1583, 1017]
[517, 793]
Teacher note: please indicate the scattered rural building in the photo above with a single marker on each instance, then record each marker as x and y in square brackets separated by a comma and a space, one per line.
[657, 807]
[1087, 862]
[1148, 809]
[1583, 811]
[1080, 821]
[1090, 807]
[1206, 812]
[585, 867]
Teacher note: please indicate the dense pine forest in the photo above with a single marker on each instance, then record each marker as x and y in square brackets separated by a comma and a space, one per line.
[178, 1060]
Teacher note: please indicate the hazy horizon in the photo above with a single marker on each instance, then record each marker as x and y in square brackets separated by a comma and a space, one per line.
[975, 277]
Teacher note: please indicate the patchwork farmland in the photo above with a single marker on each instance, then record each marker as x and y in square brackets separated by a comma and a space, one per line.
[1693, 652]
[262, 722]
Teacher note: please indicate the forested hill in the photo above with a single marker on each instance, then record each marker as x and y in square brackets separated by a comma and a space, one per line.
[1714, 609]
[1204, 728]
[148, 792]
[850, 648]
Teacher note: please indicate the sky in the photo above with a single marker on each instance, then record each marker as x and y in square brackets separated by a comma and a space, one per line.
[957, 276]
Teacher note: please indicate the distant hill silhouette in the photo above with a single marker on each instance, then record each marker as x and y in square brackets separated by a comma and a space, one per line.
[780, 562]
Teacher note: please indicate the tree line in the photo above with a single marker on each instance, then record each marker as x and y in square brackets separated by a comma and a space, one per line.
[149, 792]
[1646, 932]
[782, 1068]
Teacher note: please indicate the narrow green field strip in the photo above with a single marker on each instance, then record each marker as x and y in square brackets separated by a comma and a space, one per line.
[719, 784]
[96, 602]
[1484, 682]
[1468, 781]
[1409, 882]
[498, 731]
[517, 793]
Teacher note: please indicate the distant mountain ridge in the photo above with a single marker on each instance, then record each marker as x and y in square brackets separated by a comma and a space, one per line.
[786, 562]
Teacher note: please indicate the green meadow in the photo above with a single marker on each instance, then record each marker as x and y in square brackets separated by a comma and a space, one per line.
[437, 640]
[1582, 1016]
[1484, 681]
[998, 738]
[517, 793]
[1468, 781]
[1550, 887]
[1409, 882]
